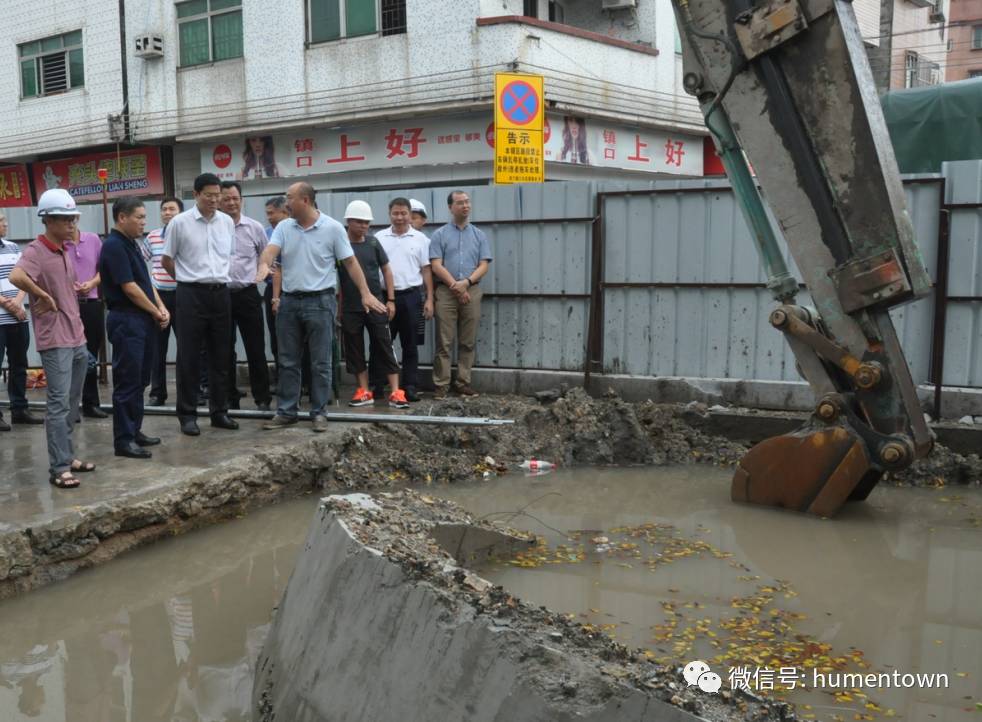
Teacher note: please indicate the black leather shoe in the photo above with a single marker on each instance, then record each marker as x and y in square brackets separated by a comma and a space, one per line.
[189, 427]
[25, 417]
[264, 406]
[4, 426]
[155, 401]
[94, 412]
[411, 394]
[132, 451]
[222, 421]
[144, 440]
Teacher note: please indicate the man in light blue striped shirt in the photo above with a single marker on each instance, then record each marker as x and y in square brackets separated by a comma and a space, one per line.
[15, 334]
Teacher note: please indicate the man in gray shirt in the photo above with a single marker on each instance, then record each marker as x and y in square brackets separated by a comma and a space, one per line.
[460, 255]
[197, 252]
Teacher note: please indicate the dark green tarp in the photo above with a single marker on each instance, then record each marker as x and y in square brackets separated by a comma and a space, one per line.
[935, 123]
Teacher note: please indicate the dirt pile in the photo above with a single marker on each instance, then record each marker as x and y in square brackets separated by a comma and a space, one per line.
[572, 430]
[943, 467]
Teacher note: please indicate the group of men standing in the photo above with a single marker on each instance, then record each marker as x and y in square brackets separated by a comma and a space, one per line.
[198, 275]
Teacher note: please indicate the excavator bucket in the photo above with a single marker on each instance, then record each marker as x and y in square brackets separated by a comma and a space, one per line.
[815, 470]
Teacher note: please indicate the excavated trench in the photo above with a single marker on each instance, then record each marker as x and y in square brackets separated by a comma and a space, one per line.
[556, 666]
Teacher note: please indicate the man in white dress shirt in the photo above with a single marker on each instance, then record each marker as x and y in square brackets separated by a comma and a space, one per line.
[198, 247]
[408, 252]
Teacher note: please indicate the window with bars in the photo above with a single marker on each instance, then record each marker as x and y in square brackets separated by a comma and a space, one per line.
[977, 37]
[52, 65]
[334, 19]
[209, 30]
[919, 71]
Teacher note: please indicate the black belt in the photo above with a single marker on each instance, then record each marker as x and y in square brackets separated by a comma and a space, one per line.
[403, 292]
[90, 300]
[242, 288]
[208, 286]
[309, 294]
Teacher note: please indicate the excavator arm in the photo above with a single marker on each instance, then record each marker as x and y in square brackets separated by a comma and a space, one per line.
[787, 85]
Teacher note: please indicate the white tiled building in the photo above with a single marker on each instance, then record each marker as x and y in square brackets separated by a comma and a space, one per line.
[293, 70]
[350, 93]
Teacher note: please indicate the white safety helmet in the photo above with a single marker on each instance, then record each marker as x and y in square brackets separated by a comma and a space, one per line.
[57, 202]
[359, 211]
[416, 207]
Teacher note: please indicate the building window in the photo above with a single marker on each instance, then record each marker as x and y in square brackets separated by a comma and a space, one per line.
[919, 71]
[335, 19]
[50, 66]
[975, 73]
[557, 13]
[977, 37]
[393, 17]
[531, 9]
[209, 30]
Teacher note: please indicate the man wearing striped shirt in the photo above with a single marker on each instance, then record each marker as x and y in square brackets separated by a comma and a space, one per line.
[167, 290]
[15, 335]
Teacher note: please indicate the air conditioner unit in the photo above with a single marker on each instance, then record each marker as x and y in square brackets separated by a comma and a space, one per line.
[149, 45]
[922, 3]
[618, 4]
[936, 15]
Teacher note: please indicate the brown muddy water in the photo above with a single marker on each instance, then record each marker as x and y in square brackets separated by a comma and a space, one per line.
[659, 558]
[662, 560]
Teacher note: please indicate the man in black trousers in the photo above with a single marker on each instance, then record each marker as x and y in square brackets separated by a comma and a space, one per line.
[136, 313]
[198, 248]
[247, 304]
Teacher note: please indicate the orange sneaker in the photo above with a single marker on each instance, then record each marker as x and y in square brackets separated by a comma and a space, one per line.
[362, 397]
[397, 400]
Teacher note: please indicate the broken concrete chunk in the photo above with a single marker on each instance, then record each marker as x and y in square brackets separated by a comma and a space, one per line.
[358, 501]
[407, 638]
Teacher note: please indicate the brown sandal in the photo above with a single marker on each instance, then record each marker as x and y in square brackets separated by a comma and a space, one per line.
[65, 480]
[82, 466]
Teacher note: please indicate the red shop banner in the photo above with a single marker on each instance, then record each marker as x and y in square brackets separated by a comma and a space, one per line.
[14, 189]
[134, 172]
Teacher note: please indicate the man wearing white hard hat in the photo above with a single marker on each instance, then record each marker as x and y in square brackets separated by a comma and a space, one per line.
[48, 277]
[417, 214]
[355, 320]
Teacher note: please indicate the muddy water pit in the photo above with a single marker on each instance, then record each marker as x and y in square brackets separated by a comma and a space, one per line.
[656, 558]
[661, 560]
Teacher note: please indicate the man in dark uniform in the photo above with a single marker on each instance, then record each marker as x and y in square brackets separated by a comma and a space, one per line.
[136, 313]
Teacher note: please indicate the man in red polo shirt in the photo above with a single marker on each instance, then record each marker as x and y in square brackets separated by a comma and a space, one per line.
[47, 275]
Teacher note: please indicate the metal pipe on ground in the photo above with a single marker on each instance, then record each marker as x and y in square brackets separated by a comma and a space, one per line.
[331, 416]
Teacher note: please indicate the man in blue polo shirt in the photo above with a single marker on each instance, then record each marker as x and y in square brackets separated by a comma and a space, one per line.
[460, 255]
[308, 245]
[135, 315]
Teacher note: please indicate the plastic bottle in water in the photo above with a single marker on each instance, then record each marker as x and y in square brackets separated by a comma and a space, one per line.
[536, 465]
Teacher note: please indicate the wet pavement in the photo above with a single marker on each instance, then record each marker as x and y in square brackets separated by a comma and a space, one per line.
[661, 559]
[170, 632]
[27, 499]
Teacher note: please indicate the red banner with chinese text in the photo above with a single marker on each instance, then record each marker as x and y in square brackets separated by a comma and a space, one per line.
[133, 172]
[14, 189]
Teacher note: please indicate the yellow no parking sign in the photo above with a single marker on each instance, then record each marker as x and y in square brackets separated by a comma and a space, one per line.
[519, 115]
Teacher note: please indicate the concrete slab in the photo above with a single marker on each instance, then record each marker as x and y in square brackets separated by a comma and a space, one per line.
[375, 604]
